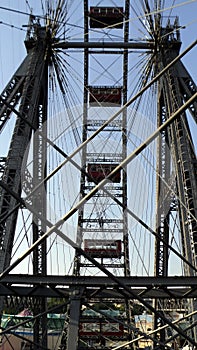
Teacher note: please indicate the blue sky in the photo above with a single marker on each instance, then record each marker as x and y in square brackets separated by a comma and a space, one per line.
[12, 49]
[12, 33]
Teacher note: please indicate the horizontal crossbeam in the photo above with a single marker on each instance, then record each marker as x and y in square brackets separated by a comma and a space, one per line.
[59, 286]
[149, 45]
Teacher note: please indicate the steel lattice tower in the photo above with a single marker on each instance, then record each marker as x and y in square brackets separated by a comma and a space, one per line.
[102, 239]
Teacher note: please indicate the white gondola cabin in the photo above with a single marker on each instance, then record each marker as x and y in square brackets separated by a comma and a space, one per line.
[100, 248]
[102, 17]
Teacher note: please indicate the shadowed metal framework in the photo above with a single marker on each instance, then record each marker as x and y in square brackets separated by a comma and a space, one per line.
[26, 96]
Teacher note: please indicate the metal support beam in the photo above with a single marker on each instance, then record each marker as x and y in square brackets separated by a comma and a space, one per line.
[73, 326]
[105, 45]
[100, 281]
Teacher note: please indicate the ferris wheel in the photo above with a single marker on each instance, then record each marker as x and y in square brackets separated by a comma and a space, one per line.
[99, 180]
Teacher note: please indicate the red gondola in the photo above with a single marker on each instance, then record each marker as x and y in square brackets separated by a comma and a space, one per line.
[102, 95]
[102, 17]
[99, 172]
[103, 248]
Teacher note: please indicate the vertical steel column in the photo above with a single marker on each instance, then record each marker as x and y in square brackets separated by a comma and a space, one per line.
[39, 202]
[124, 140]
[174, 150]
[33, 107]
